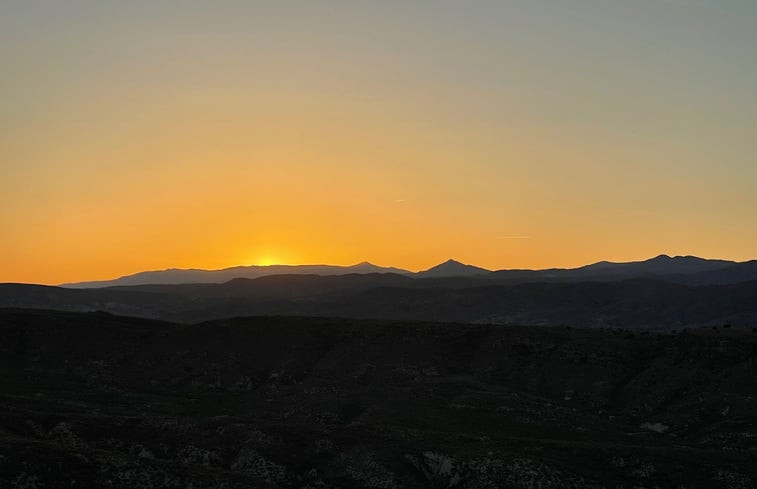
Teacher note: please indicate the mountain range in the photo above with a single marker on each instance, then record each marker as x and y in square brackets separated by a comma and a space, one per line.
[194, 275]
[610, 375]
[679, 269]
[661, 293]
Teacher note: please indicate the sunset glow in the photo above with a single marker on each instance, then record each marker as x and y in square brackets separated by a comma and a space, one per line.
[149, 135]
[267, 261]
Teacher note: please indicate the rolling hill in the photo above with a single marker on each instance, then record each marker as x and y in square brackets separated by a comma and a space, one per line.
[633, 303]
[95, 400]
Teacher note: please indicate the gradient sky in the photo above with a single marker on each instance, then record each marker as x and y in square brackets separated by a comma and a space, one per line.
[143, 134]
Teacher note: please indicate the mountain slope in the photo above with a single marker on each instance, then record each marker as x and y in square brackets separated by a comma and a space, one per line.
[659, 265]
[452, 268]
[731, 274]
[674, 269]
[680, 269]
[638, 303]
[197, 276]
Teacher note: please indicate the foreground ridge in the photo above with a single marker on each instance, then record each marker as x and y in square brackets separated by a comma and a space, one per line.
[639, 303]
[289, 402]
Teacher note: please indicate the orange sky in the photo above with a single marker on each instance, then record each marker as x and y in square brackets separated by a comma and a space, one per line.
[136, 138]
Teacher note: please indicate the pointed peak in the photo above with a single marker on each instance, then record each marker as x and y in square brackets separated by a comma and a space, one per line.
[452, 268]
[662, 257]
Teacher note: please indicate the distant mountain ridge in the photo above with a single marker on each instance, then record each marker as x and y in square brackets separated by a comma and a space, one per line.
[662, 292]
[662, 265]
[680, 269]
[175, 276]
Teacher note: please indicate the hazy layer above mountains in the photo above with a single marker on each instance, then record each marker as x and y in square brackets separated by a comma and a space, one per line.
[680, 269]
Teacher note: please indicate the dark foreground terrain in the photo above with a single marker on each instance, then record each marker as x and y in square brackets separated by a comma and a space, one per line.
[94, 400]
[629, 304]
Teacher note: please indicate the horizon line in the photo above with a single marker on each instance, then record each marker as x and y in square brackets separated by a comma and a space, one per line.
[368, 262]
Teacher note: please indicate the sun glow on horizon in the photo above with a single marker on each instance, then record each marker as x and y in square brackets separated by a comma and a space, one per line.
[146, 135]
[267, 261]
[268, 256]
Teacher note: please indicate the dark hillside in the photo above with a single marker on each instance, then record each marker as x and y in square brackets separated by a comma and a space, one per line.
[637, 304]
[106, 401]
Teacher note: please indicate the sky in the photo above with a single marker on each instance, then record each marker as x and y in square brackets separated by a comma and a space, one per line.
[147, 135]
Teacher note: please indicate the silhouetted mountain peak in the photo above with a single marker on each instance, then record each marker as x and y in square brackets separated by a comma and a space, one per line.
[679, 258]
[662, 257]
[368, 267]
[453, 268]
[189, 276]
[659, 265]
